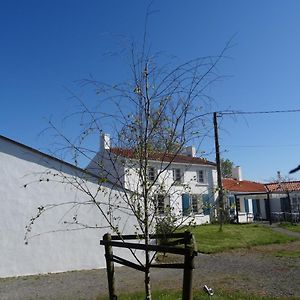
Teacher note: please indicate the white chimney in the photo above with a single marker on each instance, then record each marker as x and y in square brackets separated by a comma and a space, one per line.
[189, 151]
[104, 142]
[237, 173]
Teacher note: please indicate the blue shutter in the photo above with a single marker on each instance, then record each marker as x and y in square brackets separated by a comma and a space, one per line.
[185, 204]
[206, 206]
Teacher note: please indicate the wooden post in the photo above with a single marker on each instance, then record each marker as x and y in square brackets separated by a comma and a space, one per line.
[236, 209]
[187, 290]
[219, 174]
[269, 208]
[110, 268]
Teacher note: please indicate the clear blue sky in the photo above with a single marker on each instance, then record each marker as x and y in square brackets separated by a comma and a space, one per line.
[48, 45]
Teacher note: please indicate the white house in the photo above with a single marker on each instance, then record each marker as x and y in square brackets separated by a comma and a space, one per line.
[69, 200]
[184, 183]
[249, 201]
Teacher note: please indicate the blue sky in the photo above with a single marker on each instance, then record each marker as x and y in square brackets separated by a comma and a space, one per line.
[46, 46]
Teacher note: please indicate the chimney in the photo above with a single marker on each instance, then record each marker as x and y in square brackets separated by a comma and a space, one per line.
[279, 176]
[104, 142]
[189, 151]
[237, 173]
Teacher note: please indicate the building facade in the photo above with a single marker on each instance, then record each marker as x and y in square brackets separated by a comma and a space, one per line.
[180, 183]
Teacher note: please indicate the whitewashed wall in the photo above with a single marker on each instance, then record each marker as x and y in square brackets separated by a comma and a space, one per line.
[58, 250]
[189, 185]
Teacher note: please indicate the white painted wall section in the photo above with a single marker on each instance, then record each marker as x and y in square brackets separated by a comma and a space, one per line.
[56, 245]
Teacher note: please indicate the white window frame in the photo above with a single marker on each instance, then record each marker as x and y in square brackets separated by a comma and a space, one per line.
[201, 176]
[177, 179]
[162, 203]
[195, 202]
[151, 174]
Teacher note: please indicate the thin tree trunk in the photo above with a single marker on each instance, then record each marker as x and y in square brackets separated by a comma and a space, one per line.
[147, 277]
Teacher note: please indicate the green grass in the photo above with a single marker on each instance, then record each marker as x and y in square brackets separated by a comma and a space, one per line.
[167, 295]
[291, 227]
[211, 240]
[288, 253]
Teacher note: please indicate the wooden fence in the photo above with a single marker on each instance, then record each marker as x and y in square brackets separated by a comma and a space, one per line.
[173, 245]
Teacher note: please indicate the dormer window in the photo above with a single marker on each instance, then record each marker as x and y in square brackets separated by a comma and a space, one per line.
[151, 173]
[177, 175]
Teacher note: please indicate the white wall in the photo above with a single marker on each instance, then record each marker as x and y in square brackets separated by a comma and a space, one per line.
[58, 250]
[189, 185]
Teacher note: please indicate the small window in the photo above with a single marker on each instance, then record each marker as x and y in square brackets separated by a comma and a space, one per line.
[200, 176]
[151, 173]
[162, 204]
[238, 204]
[196, 207]
[177, 176]
[295, 203]
[246, 204]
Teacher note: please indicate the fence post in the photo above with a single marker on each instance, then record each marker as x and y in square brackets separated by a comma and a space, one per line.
[110, 268]
[187, 290]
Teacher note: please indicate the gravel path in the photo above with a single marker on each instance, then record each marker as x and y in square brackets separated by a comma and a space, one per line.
[255, 270]
[285, 231]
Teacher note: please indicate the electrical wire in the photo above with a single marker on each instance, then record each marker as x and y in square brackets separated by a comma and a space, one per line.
[257, 112]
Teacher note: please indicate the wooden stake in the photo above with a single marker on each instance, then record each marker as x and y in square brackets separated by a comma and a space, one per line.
[110, 268]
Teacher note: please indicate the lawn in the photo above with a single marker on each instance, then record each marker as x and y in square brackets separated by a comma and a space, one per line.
[200, 295]
[211, 240]
[291, 227]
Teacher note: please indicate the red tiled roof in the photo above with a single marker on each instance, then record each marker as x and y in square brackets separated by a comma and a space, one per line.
[243, 186]
[283, 186]
[164, 157]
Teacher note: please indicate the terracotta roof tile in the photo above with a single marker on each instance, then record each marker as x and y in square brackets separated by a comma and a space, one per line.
[283, 186]
[243, 186]
[164, 157]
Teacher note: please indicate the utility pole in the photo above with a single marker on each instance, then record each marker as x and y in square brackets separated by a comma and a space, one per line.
[218, 161]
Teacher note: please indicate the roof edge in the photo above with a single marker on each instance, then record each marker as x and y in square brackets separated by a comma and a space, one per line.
[48, 156]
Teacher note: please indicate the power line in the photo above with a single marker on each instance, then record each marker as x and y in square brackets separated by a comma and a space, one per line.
[232, 112]
[262, 146]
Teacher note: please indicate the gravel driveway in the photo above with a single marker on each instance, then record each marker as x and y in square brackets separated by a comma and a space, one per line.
[255, 270]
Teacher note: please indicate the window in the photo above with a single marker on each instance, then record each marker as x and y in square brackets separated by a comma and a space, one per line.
[196, 204]
[238, 204]
[151, 173]
[246, 204]
[191, 204]
[201, 176]
[162, 204]
[177, 176]
[231, 205]
[294, 203]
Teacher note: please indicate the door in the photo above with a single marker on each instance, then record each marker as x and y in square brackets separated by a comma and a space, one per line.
[285, 205]
[256, 209]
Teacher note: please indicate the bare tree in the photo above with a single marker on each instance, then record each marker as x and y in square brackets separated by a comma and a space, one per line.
[152, 118]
